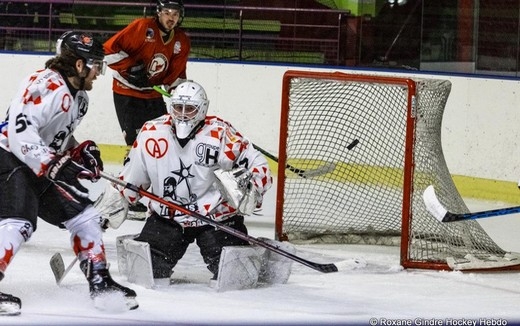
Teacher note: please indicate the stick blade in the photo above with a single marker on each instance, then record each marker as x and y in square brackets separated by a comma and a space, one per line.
[57, 267]
[324, 169]
[433, 205]
[325, 268]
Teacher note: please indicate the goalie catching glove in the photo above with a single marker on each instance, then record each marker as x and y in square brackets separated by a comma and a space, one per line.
[237, 189]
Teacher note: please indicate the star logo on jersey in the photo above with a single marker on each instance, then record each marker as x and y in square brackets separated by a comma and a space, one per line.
[184, 174]
[178, 189]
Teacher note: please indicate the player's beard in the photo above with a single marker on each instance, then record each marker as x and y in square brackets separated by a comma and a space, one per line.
[167, 24]
[88, 84]
[170, 24]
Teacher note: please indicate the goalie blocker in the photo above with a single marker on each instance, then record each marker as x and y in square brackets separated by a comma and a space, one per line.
[240, 267]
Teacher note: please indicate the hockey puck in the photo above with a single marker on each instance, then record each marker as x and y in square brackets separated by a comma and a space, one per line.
[353, 144]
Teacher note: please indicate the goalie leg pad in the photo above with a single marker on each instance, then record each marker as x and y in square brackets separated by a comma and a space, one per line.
[238, 268]
[276, 268]
[134, 260]
[121, 252]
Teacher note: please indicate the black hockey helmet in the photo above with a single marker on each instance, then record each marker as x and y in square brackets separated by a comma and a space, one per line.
[82, 44]
[169, 4]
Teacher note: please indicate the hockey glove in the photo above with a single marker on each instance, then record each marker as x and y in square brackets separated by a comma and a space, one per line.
[112, 206]
[238, 189]
[65, 173]
[88, 155]
[138, 76]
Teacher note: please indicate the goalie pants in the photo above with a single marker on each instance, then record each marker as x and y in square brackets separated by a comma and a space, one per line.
[24, 195]
[169, 241]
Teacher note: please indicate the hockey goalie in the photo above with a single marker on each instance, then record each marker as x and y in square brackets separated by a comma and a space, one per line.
[205, 165]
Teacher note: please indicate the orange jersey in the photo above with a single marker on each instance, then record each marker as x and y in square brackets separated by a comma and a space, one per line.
[141, 42]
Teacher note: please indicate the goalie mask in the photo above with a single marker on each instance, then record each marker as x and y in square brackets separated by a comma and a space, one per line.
[189, 105]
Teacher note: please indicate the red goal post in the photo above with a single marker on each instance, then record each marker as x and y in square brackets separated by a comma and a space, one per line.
[372, 193]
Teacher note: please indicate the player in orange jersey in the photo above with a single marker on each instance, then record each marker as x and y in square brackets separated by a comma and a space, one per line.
[148, 52]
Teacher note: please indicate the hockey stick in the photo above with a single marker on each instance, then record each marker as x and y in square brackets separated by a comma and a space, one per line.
[442, 214]
[302, 173]
[58, 267]
[324, 169]
[324, 268]
[387, 54]
[161, 91]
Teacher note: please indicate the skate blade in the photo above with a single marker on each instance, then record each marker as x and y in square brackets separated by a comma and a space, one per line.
[131, 303]
[114, 302]
[9, 309]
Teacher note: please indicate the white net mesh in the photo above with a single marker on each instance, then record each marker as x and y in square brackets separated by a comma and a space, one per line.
[361, 199]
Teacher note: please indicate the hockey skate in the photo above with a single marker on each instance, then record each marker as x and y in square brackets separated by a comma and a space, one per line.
[9, 305]
[104, 289]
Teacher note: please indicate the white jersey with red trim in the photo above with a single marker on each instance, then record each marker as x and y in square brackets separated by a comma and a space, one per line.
[42, 118]
[184, 175]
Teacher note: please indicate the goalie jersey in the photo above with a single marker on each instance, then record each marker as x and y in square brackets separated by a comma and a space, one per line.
[184, 175]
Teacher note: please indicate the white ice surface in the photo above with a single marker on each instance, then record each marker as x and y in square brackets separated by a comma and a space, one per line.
[381, 290]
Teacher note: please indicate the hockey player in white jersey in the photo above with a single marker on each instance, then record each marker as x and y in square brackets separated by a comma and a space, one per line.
[41, 164]
[177, 155]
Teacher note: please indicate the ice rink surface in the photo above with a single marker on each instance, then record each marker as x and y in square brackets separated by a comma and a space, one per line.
[381, 293]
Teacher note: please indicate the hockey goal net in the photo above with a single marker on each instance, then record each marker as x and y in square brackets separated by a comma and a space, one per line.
[372, 192]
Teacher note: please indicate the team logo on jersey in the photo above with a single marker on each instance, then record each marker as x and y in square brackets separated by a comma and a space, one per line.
[58, 140]
[29, 148]
[174, 186]
[177, 47]
[158, 64]
[82, 106]
[207, 154]
[156, 148]
[150, 35]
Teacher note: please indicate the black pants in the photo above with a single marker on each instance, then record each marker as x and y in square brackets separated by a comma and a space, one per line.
[133, 112]
[24, 195]
[169, 242]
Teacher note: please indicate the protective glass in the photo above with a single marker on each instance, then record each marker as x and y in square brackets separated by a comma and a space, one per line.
[100, 66]
[170, 12]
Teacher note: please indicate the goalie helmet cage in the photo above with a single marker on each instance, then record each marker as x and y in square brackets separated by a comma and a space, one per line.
[374, 193]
